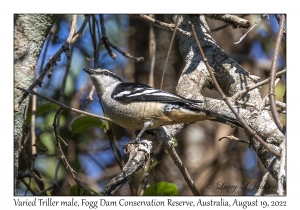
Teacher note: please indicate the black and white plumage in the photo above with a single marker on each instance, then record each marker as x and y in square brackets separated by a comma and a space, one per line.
[140, 107]
[140, 92]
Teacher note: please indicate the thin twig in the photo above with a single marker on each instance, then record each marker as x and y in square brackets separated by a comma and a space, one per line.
[233, 138]
[170, 26]
[127, 55]
[64, 106]
[45, 190]
[233, 20]
[278, 20]
[265, 178]
[114, 145]
[31, 172]
[152, 49]
[105, 38]
[62, 155]
[278, 104]
[171, 150]
[246, 127]
[108, 44]
[55, 181]
[250, 29]
[33, 115]
[251, 87]
[223, 26]
[169, 51]
[273, 76]
[266, 102]
[95, 45]
[44, 55]
[64, 81]
[52, 61]
[89, 98]
[112, 138]
[72, 29]
[28, 187]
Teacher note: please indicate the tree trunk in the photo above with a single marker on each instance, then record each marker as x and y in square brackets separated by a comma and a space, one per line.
[30, 33]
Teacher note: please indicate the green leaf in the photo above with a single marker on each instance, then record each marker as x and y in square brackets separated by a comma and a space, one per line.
[81, 124]
[47, 139]
[84, 191]
[41, 109]
[162, 189]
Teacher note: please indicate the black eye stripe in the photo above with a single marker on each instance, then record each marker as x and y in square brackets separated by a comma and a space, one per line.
[108, 73]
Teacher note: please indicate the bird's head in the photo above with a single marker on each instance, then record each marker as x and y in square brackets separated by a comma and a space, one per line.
[103, 79]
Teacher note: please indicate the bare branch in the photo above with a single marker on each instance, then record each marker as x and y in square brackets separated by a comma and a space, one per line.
[33, 136]
[169, 50]
[250, 29]
[278, 20]
[108, 44]
[233, 138]
[114, 145]
[273, 76]
[182, 169]
[249, 130]
[72, 29]
[223, 26]
[251, 87]
[139, 154]
[170, 26]
[89, 98]
[62, 155]
[64, 106]
[233, 20]
[152, 48]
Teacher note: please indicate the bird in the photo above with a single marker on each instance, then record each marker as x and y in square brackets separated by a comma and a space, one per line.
[140, 107]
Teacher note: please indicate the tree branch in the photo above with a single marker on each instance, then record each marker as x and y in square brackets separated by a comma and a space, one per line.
[231, 77]
[224, 97]
[64, 106]
[251, 87]
[169, 50]
[108, 44]
[233, 20]
[170, 26]
[182, 169]
[273, 76]
[250, 29]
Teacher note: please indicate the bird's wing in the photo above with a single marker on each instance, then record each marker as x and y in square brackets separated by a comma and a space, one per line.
[140, 92]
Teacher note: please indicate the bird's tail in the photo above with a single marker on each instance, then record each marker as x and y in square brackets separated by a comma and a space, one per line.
[232, 121]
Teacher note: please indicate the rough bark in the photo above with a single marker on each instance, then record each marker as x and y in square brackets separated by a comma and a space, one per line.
[30, 32]
[232, 78]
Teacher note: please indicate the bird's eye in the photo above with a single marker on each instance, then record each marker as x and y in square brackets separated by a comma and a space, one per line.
[106, 73]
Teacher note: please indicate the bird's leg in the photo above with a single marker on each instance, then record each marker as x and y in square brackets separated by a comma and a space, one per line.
[136, 141]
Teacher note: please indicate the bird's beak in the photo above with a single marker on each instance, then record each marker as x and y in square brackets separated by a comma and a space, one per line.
[89, 71]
